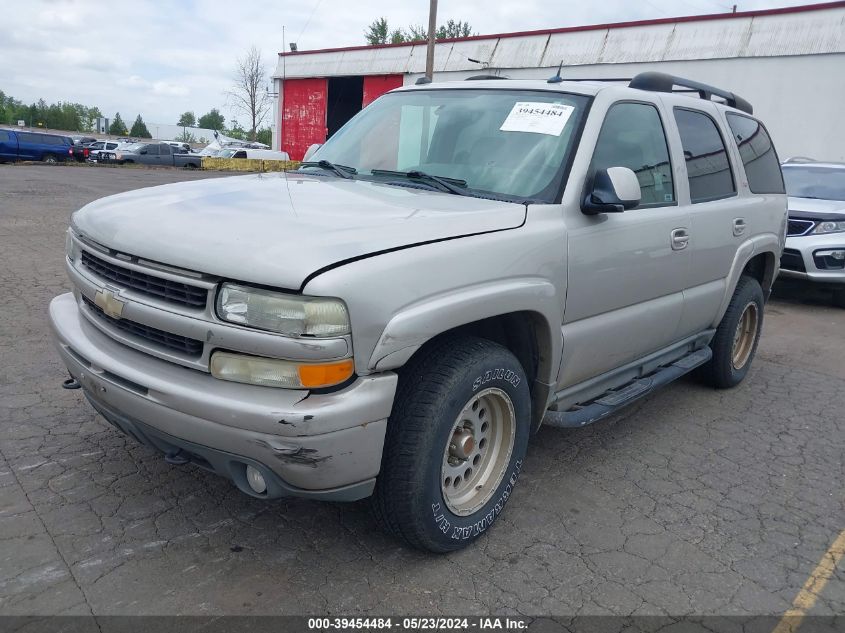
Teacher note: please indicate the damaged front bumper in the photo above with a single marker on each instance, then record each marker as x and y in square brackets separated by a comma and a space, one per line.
[326, 446]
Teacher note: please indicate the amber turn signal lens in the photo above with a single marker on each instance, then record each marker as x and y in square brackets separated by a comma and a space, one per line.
[326, 374]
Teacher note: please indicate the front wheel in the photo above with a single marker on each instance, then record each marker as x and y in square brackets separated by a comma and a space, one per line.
[455, 444]
[735, 342]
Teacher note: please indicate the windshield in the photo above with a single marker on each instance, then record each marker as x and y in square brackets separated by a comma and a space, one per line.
[809, 181]
[505, 143]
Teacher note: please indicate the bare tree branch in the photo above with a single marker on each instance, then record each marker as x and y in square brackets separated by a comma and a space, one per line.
[248, 92]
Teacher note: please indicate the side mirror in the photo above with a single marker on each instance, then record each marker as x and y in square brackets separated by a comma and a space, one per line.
[614, 190]
[143, 151]
[310, 151]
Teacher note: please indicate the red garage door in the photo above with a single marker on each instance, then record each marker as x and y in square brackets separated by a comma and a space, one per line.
[303, 115]
[377, 85]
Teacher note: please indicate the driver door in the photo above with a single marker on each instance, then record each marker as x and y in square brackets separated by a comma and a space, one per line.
[626, 271]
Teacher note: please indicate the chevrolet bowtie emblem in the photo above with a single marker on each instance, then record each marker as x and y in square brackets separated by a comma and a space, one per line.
[109, 303]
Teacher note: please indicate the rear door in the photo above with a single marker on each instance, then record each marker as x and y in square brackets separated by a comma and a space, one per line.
[626, 271]
[29, 147]
[8, 146]
[716, 213]
[165, 154]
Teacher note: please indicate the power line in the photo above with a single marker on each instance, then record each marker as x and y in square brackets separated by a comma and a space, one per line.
[313, 11]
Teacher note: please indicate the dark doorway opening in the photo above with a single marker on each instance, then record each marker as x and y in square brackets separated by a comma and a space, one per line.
[346, 94]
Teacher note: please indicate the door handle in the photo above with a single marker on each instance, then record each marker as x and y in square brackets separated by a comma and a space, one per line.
[680, 239]
[739, 226]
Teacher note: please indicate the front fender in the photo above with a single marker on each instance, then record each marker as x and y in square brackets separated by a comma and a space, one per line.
[419, 322]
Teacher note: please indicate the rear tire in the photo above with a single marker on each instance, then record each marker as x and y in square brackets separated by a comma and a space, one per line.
[737, 336]
[50, 159]
[455, 444]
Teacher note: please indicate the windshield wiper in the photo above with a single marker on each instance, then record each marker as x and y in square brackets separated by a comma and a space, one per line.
[451, 185]
[341, 170]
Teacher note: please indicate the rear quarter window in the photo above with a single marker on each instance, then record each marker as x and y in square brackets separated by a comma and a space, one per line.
[762, 167]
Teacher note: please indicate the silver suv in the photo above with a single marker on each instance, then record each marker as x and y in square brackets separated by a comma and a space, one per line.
[459, 264]
[815, 242]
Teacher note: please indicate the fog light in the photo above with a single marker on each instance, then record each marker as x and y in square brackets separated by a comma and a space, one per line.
[255, 480]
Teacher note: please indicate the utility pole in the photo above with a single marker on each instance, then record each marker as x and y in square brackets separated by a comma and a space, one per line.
[432, 28]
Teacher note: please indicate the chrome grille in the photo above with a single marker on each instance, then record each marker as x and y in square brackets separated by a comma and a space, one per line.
[798, 227]
[188, 346]
[143, 283]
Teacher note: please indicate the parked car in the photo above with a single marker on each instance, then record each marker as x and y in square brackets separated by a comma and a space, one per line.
[182, 148]
[20, 145]
[398, 316]
[85, 141]
[108, 149]
[815, 242]
[156, 154]
[253, 154]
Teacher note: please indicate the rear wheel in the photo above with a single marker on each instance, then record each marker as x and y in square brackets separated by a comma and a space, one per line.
[455, 444]
[735, 342]
[50, 159]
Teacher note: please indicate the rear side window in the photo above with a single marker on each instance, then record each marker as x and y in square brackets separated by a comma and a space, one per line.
[165, 150]
[632, 136]
[758, 155]
[708, 167]
[110, 145]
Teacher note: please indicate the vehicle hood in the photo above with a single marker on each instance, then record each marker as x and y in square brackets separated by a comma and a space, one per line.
[277, 229]
[812, 209]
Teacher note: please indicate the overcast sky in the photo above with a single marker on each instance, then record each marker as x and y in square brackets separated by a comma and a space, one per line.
[163, 57]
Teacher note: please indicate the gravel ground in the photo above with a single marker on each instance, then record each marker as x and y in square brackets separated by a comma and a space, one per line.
[691, 501]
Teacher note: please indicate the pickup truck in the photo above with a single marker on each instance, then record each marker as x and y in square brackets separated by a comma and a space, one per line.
[156, 154]
[463, 263]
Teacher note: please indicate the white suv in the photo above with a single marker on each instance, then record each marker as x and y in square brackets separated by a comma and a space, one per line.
[815, 243]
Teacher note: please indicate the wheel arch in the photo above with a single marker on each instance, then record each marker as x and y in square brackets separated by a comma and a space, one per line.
[758, 258]
[522, 315]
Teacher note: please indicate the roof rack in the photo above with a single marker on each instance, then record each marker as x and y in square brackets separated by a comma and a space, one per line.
[800, 160]
[661, 82]
[478, 77]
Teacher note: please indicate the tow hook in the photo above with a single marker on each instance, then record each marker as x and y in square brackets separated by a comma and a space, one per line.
[176, 458]
[70, 383]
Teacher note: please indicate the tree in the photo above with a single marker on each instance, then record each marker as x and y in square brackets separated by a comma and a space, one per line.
[187, 120]
[186, 137]
[248, 93]
[118, 127]
[139, 129]
[236, 131]
[379, 32]
[212, 120]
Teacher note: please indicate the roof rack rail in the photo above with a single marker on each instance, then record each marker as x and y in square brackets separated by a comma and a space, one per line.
[477, 77]
[661, 82]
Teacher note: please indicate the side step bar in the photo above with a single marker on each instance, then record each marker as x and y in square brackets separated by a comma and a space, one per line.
[615, 399]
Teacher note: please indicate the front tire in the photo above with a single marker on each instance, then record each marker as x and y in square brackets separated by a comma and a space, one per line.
[735, 342]
[455, 444]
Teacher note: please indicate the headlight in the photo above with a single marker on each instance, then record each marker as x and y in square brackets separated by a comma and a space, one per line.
[286, 314]
[829, 227]
[70, 246]
[270, 372]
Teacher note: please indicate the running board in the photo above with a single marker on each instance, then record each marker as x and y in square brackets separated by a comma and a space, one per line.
[615, 399]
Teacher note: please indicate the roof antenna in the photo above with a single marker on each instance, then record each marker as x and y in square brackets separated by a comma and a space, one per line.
[557, 78]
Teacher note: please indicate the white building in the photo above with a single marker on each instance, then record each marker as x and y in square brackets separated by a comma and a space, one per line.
[789, 63]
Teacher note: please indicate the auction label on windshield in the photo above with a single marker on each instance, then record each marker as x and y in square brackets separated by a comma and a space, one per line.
[537, 117]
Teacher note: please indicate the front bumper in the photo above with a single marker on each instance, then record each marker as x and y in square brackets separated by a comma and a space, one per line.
[798, 261]
[315, 445]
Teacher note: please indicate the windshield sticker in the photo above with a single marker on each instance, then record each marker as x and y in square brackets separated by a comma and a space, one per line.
[537, 117]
